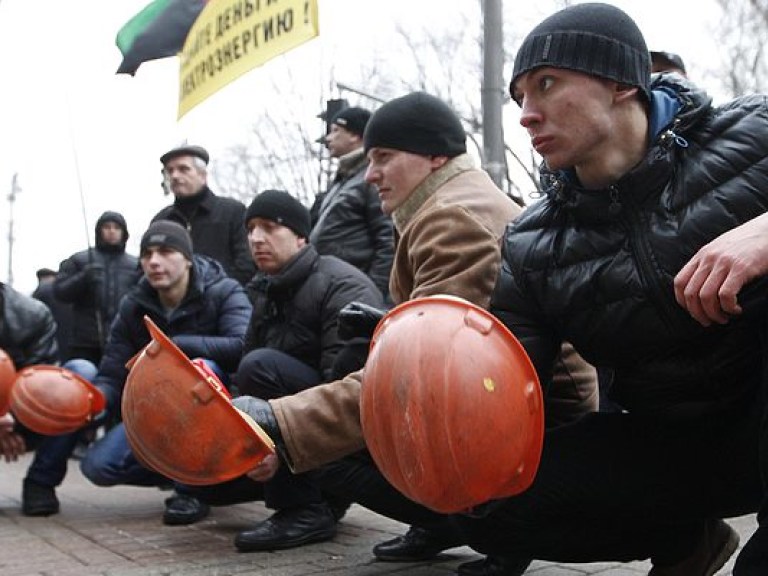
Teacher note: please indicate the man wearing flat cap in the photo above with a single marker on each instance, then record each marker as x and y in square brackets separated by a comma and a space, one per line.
[215, 223]
[347, 220]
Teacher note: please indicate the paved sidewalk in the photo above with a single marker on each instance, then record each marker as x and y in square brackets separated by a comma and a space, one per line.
[118, 532]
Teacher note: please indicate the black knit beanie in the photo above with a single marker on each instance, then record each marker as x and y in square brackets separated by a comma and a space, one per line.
[597, 39]
[169, 234]
[417, 123]
[280, 207]
[352, 119]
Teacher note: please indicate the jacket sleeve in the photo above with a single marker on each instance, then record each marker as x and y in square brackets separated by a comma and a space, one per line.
[569, 383]
[226, 346]
[41, 346]
[341, 291]
[321, 424]
[382, 238]
[71, 283]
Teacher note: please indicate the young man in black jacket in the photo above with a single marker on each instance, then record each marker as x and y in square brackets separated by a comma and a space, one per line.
[638, 175]
[206, 314]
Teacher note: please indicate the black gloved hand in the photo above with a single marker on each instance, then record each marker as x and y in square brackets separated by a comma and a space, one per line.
[261, 412]
[94, 271]
[358, 320]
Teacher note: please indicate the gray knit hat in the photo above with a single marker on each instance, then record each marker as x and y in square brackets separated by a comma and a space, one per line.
[597, 39]
[169, 234]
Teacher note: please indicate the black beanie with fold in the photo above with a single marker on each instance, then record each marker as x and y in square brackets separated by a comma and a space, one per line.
[280, 207]
[596, 39]
[418, 123]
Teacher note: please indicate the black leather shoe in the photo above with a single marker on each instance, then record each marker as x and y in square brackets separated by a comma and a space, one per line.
[182, 509]
[494, 566]
[416, 545]
[38, 500]
[289, 528]
[338, 504]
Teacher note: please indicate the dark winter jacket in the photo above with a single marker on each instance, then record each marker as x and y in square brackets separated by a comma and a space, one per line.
[27, 329]
[209, 323]
[596, 267]
[348, 222]
[216, 226]
[94, 281]
[296, 311]
[62, 315]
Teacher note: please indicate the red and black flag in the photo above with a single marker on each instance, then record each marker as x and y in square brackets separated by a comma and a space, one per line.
[158, 31]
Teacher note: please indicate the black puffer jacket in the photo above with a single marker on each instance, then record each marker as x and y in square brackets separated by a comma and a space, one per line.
[348, 222]
[96, 297]
[596, 268]
[215, 224]
[296, 311]
[27, 329]
[209, 323]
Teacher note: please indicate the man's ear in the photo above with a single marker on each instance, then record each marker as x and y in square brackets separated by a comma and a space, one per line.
[438, 161]
[624, 92]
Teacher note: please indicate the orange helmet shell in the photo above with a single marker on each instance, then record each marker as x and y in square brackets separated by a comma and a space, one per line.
[180, 421]
[7, 378]
[451, 407]
[52, 400]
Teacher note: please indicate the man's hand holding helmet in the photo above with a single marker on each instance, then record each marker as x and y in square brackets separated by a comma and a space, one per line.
[12, 444]
[261, 413]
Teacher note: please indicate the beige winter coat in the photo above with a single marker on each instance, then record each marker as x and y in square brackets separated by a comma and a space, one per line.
[447, 241]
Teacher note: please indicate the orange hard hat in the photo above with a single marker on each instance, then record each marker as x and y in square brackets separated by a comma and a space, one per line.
[52, 400]
[180, 421]
[451, 407]
[7, 378]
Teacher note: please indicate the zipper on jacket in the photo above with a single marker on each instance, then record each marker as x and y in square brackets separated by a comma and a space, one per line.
[614, 208]
[658, 293]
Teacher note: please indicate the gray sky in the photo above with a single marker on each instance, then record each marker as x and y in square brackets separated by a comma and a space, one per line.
[70, 125]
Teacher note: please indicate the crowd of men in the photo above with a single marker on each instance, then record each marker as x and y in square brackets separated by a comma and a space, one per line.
[638, 278]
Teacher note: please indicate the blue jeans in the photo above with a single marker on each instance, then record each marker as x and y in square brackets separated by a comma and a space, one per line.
[110, 460]
[49, 466]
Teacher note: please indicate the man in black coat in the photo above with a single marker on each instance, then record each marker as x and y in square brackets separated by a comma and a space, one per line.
[347, 220]
[93, 281]
[62, 311]
[292, 344]
[215, 223]
[28, 337]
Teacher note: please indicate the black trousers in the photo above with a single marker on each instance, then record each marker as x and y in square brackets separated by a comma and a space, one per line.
[266, 373]
[612, 486]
